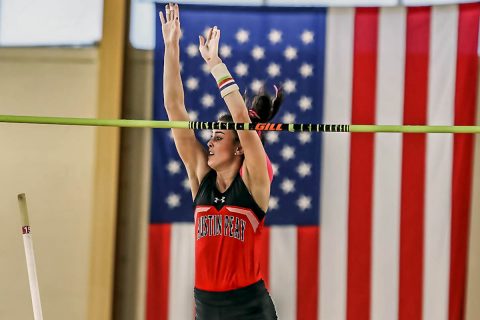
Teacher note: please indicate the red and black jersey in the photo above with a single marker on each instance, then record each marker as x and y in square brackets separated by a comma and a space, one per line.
[228, 227]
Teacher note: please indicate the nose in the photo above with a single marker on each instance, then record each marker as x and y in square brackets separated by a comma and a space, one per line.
[210, 143]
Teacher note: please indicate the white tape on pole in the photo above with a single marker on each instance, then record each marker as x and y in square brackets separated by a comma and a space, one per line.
[30, 256]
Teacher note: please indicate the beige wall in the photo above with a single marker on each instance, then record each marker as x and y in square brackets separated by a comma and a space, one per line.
[55, 167]
[68, 173]
[134, 190]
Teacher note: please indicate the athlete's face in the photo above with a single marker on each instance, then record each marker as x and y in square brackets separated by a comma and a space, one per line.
[222, 147]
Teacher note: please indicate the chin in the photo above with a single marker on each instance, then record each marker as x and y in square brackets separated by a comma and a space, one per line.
[215, 164]
[211, 164]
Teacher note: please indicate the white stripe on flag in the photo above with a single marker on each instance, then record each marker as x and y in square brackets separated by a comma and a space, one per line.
[283, 271]
[388, 164]
[336, 164]
[180, 293]
[441, 88]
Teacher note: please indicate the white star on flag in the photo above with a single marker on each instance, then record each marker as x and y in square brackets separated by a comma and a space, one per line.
[271, 137]
[287, 185]
[273, 203]
[275, 169]
[192, 83]
[305, 103]
[173, 200]
[205, 31]
[289, 86]
[304, 202]
[304, 137]
[186, 184]
[207, 100]
[193, 115]
[306, 70]
[256, 85]
[307, 36]
[173, 167]
[192, 50]
[287, 152]
[273, 70]
[225, 51]
[206, 135]
[275, 36]
[290, 53]
[258, 53]
[219, 114]
[181, 67]
[205, 68]
[242, 36]
[288, 118]
[241, 69]
[304, 169]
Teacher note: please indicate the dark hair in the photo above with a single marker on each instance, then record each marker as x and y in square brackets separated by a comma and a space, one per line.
[263, 107]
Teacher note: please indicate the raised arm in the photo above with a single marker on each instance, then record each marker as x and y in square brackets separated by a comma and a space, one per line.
[255, 166]
[192, 153]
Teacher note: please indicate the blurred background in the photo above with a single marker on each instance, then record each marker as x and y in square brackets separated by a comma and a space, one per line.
[106, 247]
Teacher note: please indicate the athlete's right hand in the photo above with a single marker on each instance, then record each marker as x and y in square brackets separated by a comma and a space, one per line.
[209, 47]
[171, 24]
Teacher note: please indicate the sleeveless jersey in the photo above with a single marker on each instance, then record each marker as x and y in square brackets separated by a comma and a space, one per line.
[228, 227]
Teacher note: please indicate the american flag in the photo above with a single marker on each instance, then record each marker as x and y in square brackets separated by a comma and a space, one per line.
[360, 226]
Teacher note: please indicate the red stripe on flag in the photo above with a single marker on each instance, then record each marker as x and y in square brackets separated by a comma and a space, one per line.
[361, 165]
[413, 165]
[265, 253]
[307, 272]
[158, 271]
[465, 107]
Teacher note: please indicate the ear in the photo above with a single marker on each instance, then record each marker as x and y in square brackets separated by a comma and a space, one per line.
[239, 150]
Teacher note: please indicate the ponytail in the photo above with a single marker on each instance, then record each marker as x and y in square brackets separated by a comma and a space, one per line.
[264, 107]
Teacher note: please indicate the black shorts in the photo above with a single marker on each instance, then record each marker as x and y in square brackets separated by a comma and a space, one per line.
[248, 303]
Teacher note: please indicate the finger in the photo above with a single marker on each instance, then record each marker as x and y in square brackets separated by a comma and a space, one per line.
[215, 35]
[201, 40]
[216, 40]
[167, 12]
[209, 35]
[172, 11]
[177, 12]
[162, 19]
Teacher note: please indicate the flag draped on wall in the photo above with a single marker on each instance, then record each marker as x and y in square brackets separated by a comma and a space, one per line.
[360, 226]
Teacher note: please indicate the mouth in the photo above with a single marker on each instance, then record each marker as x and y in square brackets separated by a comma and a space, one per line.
[210, 153]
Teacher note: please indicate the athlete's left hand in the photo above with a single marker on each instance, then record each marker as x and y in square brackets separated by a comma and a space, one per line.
[209, 47]
[171, 25]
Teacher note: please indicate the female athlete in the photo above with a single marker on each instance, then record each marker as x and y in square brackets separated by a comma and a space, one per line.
[230, 184]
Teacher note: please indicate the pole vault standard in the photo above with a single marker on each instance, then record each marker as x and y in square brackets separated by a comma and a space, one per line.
[32, 270]
[200, 125]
